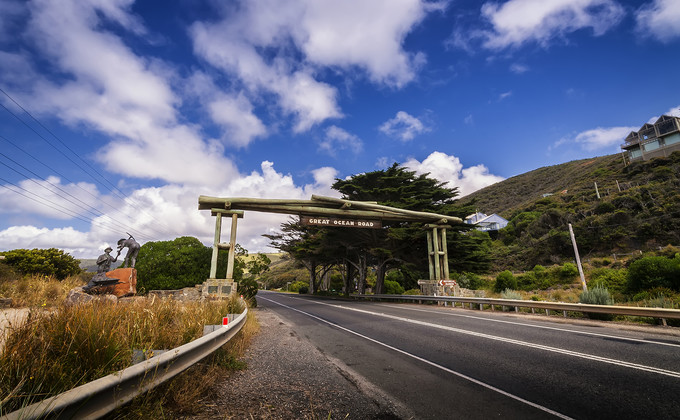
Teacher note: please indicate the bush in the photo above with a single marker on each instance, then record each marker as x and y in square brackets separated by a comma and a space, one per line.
[303, 290]
[296, 286]
[470, 281]
[505, 280]
[412, 292]
[597, 296]
[43, 262]
[568, 271]
[611, 279]
[248, 289]
[393, 288]
[511, 294]
[649, 272]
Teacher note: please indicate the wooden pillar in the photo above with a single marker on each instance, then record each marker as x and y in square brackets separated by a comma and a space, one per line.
[430, 255]
[445, 254]
[216, 243]
[435, 249]
[232, 247]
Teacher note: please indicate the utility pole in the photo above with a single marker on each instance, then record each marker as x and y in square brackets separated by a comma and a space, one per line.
[578, 259]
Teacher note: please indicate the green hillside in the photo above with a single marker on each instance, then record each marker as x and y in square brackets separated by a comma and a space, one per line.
[638, 209]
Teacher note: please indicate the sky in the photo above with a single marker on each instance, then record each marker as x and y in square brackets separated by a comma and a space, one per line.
[117, 114]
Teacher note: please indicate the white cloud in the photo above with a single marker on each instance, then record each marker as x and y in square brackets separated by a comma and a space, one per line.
[49, 198]
[448, 168]
[403, 126]
[103, 85]
[236, 115]
[279, 48]
[603, 138]
[517, 22]
[518, 68]
[169, 211]
[504, 95]
[659, 19]
[338, 139]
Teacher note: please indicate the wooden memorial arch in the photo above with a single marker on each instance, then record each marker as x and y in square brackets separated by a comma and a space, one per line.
[321, 211]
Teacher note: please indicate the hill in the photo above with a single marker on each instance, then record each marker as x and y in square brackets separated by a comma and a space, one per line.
[638, 208]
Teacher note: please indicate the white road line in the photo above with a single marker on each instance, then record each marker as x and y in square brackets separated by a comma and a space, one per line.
[650, 369]
[444, 368]
[636, 340]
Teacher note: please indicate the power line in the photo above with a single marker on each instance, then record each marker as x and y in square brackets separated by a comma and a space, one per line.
[95, 213]
[112, 188]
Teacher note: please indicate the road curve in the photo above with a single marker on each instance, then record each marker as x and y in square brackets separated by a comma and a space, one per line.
[453, 363]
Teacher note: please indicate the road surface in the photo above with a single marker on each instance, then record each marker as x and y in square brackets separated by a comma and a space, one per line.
[438, 362]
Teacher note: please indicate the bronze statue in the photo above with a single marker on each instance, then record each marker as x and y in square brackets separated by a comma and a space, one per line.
[133, 249]
[104, 261]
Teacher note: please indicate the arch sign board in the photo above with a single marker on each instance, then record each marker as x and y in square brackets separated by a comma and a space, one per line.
[326, 212]
[335, 222]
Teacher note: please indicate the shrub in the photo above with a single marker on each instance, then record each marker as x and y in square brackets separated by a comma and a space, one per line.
[43, 262]
[303, 290]
[505, 280]
[649, 272]
[296, 286]
[412, 292]
[609, 278]
[248, 288]
[597, 296]
[467, 280]
[511, 294]
[393, 288]
[568, 271]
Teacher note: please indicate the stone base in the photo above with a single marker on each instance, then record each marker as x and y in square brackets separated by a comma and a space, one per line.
[77, 296]
[126, 286]
[218, 289]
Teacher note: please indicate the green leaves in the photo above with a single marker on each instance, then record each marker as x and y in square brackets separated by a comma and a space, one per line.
[46, 262]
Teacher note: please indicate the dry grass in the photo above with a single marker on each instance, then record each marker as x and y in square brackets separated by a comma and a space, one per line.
[56, 350]
[34, 291]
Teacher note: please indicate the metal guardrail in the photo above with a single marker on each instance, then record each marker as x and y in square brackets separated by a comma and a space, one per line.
[98, 398]
[660, 313]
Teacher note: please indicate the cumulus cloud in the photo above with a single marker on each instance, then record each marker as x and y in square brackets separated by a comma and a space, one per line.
[336, 138]
[448, 168]
[659, 19]
[404, 126]
[261, 42]
[517, 22]
[600, 138]
[103, 85]
[518, 68]
[169, 211]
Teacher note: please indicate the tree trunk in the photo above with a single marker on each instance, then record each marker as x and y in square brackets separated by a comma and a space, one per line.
[347, 276]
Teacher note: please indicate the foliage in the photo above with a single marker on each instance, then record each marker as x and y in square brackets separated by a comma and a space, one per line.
[412, 292]
[649, 272]
[505, 280]
[53, 351]
[597, 296]
[609, 278]
[468, 280]
[258, 265]
[296, 286]
[43, 262]
[637, 208]
[511, 294]
[247, 287]
[182, 262]
[393, 288]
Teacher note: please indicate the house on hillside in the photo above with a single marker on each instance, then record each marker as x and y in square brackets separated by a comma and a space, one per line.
[653, 140]
[486, 223]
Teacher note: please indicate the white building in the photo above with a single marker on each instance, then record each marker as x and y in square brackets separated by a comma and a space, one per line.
[486, 223]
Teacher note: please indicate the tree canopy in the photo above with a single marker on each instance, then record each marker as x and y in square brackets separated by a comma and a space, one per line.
[46, 262]
[398, 245]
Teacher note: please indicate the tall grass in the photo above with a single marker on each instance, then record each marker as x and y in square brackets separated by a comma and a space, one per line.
[36, 290]
[56, 350]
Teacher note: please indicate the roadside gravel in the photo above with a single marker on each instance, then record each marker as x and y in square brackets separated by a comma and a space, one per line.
[288, 378]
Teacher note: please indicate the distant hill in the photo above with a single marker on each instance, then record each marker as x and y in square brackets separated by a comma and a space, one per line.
[91, 264]
[575, 177]
[638, 209]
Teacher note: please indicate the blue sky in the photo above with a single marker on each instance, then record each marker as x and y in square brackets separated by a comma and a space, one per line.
[117, 114]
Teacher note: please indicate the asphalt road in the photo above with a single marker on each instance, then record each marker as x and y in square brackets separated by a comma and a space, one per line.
[439, 363]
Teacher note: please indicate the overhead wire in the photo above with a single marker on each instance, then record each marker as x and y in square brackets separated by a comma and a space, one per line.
[110, 187]
[86, 207]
